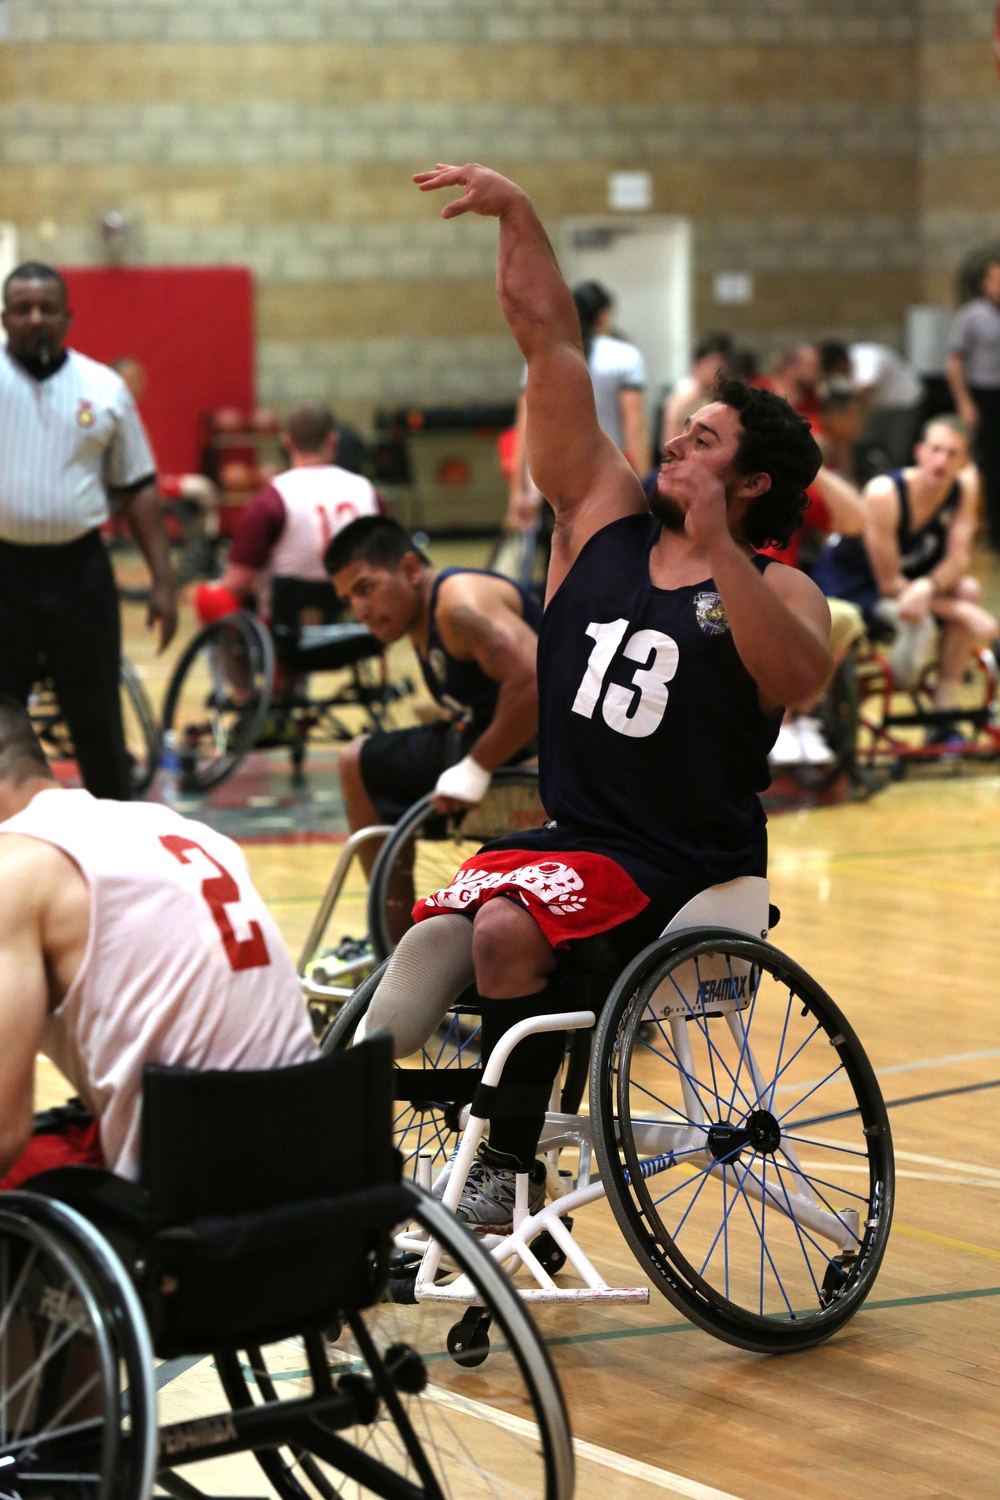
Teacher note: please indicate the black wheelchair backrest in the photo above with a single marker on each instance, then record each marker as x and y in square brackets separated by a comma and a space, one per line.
[296, 602]
[226, 1143]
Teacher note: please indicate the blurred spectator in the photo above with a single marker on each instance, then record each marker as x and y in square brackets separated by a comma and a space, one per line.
[891, 392]
[974, 378]
[795, 373]
[713, 356]
[618, 374]
[834, 509]
[197, 488]
[910, 567]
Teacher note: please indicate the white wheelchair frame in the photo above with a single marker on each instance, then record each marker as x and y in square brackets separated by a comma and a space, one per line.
[741, 906]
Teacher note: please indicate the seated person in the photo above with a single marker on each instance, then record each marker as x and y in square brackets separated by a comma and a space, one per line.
[909, 569]
[668, 650]
[289, 523]
[475, 635]
[127, 935]
[834, 508]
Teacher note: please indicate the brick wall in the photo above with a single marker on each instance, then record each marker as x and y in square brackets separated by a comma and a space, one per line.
[841, 150]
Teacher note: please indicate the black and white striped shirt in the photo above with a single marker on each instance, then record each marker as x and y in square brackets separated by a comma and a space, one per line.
[64, 442]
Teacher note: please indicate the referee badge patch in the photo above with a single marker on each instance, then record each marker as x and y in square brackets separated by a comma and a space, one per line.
[711, 613]
[85, 413]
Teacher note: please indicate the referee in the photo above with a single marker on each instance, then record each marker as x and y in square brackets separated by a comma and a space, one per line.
[69, 433]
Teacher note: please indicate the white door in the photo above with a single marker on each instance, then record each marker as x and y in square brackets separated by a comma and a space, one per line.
[645, 262]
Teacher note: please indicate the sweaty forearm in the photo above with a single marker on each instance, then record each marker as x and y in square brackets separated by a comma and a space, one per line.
[786, 657]
[533, 297]
[514, 722]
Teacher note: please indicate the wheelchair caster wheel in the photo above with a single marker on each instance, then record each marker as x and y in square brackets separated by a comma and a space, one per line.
[551, 1256]
[837, 1278]
[469, 1341]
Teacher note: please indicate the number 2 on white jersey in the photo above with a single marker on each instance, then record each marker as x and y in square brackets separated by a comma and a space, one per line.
[218, 891]
[622, 711]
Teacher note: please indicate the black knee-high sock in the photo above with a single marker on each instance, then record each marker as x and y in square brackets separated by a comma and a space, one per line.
[535, 1060]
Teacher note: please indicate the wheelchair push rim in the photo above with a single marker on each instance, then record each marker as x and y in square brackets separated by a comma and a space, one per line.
[60, 1427]
[743, 1140]
[425, 849]
[218, 698]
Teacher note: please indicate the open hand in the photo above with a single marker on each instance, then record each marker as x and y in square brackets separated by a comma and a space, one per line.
[486, 192]
[162, 611]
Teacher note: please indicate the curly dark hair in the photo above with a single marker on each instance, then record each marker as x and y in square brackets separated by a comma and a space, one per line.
[778, 442]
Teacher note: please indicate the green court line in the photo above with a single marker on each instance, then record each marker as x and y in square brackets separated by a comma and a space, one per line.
[172, 1369]
[642, 1333]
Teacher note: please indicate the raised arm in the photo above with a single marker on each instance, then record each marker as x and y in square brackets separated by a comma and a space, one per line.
[578, 469]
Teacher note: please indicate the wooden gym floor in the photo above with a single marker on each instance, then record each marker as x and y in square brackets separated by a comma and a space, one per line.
[893, 905]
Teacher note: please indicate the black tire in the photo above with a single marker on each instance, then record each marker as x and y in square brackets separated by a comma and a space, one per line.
[65, 1293]
[427, 1129]
[193, 553]
[214, 725]
[435, 847]
[839, 717]
[720, 1236]
[142, 736]
[432, 1430]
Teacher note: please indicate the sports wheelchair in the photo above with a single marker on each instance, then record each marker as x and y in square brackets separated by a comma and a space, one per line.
[261, 1234]
[898, 728]
[142, 736]
[739, 1131]
[877, 730]
[419, 854]
[239, 686]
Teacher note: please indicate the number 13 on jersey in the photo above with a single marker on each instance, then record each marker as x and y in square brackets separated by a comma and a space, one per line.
[638, 710]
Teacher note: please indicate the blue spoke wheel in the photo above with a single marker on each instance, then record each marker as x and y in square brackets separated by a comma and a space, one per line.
[743, 1140]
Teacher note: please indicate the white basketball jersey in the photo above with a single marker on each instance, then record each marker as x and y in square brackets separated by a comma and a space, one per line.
[184, 965]
[320, 500]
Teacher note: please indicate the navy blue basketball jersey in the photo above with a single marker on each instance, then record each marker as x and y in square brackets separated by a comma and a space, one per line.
[844, 572]
[653, 743]
[463, 686]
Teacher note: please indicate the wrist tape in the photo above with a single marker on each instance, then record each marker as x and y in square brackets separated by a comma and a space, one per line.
[466, 782]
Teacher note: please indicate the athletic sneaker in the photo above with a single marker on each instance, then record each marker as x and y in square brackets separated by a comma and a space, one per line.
[487, 1201]
[815, 750]
[786, 750]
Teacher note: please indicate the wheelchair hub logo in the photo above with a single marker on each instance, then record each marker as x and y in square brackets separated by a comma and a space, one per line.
[710, 612]
[716, 991]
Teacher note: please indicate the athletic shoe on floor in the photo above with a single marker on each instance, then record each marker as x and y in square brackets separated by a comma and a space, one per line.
[814, 749]
[786, 750]
[487, 1201]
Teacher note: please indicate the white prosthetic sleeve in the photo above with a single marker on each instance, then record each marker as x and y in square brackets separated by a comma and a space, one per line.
[427, 972]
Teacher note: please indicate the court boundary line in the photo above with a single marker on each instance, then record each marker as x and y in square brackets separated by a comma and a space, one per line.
[608, 1458]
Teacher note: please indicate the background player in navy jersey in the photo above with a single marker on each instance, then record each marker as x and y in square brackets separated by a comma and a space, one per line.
[667, 651]
[475, 635]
